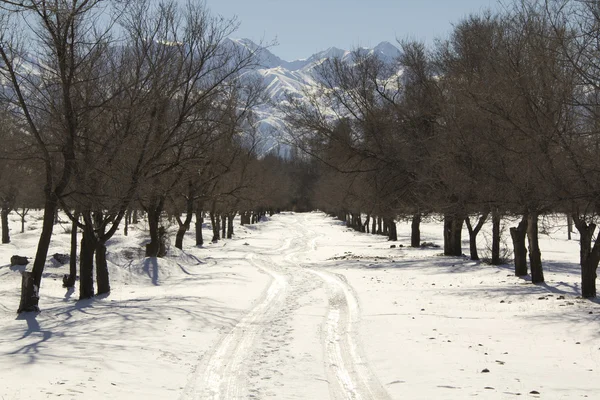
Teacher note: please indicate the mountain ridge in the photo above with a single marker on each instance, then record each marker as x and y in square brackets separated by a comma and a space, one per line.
[282, 78]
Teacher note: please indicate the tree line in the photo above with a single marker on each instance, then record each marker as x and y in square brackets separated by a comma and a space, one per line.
[501, 118]
[112, 109]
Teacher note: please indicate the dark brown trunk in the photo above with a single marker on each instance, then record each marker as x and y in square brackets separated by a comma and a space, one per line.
[5, 227]
[589, 256]
[230, 218]
[102, 278]
[214, 221]
[30, 294]
[199, 222]
[518, 235]
[392, 232]
[569, 226]
[415, 231]
[69, 281]
[473, 232]
[496, 217]
[179, 236]
[157, 246]
[23, 219]
[86, 265]
[453, 235]
[379, 226]
[223, 225]
[535, 255]
[134, 217]
[127, 218]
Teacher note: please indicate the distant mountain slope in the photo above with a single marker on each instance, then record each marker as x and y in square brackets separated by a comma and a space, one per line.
[292, 77]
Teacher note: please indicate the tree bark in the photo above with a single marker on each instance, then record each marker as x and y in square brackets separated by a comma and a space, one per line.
[374, 227]
[199, 222]
[535, 255]
[23, 214]
[230, 218]
[102, 278]
[184, 225]
[392, 231]
[518, 235]
[379, 226]
[589, 256]
[156, 247]
[569, 226]
[5, 227]
[415, 231]
[69, 282]
[367, 223]
[30, 289]
[453, 235]
[29, 293]
[214, 221]
[86, 265]
[127, 218]
[496, 217]
[473, 232]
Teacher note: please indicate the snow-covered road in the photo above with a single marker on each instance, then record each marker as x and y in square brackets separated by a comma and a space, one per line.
[250, 360]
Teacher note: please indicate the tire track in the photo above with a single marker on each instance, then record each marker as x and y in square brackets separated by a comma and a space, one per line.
[349, 373]
[223, 373]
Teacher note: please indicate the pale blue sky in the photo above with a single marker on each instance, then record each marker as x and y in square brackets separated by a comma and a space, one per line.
[303, 27]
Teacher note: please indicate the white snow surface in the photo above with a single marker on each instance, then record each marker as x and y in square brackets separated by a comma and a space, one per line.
[300, 307]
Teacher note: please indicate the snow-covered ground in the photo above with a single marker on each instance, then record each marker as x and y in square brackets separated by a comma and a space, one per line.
[300, 307]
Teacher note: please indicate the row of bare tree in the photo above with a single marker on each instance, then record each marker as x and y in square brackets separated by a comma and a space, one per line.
[111, 107]
[500, 118]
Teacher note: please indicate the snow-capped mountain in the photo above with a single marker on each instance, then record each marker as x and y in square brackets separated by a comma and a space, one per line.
[282, 78]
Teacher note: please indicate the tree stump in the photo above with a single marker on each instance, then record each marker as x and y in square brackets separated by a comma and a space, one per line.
[29, 294]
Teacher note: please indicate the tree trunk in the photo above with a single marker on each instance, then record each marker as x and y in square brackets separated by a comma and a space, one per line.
[589, 256]
[214, 221]
[519, 249]
[224, 226]
[496, 217]
[379, 226]
[102, 278]
[69, 282]
[393, 233]
[374, 227]
[86, 265]
[367, 223]
[179, 236]
[30, 295]
[230, 218]
[415, 231]
[127, 218]
[156, 247]
[199, 222]
[535, 255]
[24, 213]
[134, 217]
[453, 235]
[184, 225]
[30, 289]
[473, 232]
[569, 226]
[5, 228]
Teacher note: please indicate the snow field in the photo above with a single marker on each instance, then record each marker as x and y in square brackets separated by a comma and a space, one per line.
[300, 307]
